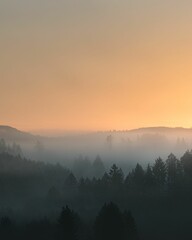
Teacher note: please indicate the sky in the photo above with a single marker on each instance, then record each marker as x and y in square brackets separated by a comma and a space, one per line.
[95, 65]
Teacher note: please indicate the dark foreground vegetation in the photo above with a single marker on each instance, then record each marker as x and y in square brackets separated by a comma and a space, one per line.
[45, 201]
[110, 223]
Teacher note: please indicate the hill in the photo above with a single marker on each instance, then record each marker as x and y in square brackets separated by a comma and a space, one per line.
[10, 134]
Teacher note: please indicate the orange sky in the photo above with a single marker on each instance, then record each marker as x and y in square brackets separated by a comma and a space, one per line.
[95, 65]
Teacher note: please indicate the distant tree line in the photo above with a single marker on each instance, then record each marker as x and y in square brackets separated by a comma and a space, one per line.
[13, 148]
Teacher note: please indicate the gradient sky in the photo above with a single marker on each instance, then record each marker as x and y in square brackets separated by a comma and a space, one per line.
[95, 64]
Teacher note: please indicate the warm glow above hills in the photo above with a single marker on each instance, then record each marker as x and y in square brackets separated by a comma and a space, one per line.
[90, 65]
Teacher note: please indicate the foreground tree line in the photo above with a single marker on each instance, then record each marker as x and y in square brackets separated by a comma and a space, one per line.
[159, 197]
[19, 175]
[110, 223]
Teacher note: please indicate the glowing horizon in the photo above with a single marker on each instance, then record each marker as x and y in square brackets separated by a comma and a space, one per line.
[86, 65]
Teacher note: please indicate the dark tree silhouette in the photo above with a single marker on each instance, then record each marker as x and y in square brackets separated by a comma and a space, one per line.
[53, 195]
[71, 181]
[129, 180]
[130, 226]
[138, 175]
[149, 177]
[186, 161]
[105, 179]
[171, 165]
[109, 223]
[116, 175]
[39, 229]
[112, 224]
[68, 224]
[159, 170]
[179, 174]
[6, 228]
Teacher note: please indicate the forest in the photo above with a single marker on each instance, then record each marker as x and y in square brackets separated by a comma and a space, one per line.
[48, 201]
